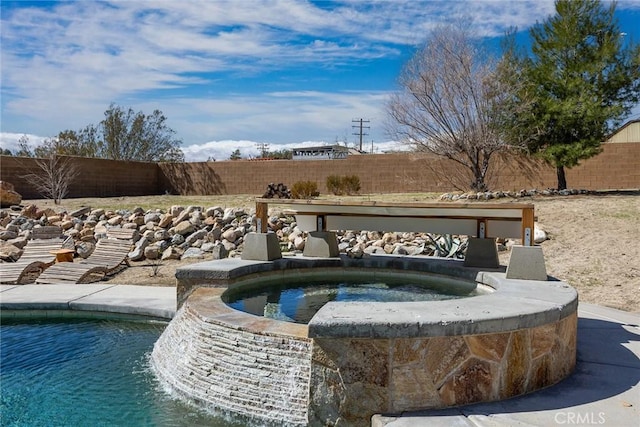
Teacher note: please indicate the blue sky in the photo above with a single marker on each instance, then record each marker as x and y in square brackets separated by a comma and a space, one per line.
[229, 74]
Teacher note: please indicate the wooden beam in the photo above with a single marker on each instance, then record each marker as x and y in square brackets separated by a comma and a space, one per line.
[262, 210]
[528, 218]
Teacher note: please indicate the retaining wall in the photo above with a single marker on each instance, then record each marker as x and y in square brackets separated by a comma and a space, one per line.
[617, 167]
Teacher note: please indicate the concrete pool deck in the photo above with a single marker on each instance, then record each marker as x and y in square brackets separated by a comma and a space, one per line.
[603, 390]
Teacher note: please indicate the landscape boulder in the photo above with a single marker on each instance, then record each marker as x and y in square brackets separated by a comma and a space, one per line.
[171, 253]
[152, 252]
[84, 249]
[183, 228]
[539, 235]
[193, 253]
[9, 252]
[8, 195]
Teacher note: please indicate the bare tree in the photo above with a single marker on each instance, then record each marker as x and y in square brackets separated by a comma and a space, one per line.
[54, 177]
[449, 99]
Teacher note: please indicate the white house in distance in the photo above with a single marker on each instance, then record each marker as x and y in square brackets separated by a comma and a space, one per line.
[324, 152]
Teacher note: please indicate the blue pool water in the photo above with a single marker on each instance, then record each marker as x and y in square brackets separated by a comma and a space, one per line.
[298, 302]
[86, 373]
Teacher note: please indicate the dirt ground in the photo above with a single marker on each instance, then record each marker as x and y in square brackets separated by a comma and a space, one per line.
[594, 245]
[594, 241]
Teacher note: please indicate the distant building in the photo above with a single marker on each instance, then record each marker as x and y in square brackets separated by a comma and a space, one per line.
[324, 152]
[629, 132]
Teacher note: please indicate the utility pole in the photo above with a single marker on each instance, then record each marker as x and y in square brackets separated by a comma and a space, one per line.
[361, 128]
[264, 149]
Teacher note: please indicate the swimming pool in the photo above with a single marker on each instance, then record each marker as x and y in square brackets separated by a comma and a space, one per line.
[61, 372]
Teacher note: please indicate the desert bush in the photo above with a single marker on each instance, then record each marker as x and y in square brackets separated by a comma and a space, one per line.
[340, 185]
[304, 190]
[351, 184]
[334, 184]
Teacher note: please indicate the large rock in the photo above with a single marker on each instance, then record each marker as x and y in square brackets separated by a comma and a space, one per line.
[80, 212]
[230, 235]
[183, 228]
[193, 253]
[116, 220]
[97, 212]
[8, 235]
[198, 235]
[171, 253]
[138, 252]
[152, 217]
[152, 252]
[84, 249]
[539, 235]
[177, 239]
[165, 221]
[161, 235]
[8, 195]
[219, 251]
[8, 252]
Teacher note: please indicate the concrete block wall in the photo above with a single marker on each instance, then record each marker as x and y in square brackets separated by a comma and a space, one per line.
[617, 167]
[96, 178]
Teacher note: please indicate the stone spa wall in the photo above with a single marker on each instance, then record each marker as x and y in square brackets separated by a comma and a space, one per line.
[352, 376]
[358, 359]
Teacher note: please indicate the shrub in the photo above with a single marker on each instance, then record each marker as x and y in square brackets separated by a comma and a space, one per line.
[351, 184]
[304, 190]
[334, 184]
[340, 185]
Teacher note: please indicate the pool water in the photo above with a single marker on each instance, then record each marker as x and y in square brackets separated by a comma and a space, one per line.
[86, 373]
[298, 303]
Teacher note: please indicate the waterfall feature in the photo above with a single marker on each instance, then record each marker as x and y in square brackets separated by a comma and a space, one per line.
[225, 369]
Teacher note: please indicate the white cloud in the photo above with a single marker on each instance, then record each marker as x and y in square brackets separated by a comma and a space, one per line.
[221, 150]
[100, 49]
[64, 63]
[10, 141]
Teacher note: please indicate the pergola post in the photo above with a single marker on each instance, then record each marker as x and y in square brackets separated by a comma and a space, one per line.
[262, 210]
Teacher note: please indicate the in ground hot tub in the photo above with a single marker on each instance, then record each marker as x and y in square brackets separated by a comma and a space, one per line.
[298, 298]
[356, 359]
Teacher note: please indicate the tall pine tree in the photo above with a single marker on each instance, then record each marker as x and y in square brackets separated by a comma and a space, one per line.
[583, 80]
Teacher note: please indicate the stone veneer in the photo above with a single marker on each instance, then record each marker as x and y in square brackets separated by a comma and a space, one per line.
[353, 379]
[354, 360]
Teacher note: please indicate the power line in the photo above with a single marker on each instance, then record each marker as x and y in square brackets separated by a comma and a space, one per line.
[360, 128]
[264, 148]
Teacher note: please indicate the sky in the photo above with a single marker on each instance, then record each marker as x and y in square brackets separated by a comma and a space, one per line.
[231, 74]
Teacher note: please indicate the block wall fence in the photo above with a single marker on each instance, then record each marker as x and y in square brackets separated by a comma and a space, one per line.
[617, 167]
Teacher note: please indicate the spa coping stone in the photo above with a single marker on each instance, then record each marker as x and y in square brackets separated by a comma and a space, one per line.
[510, 304]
